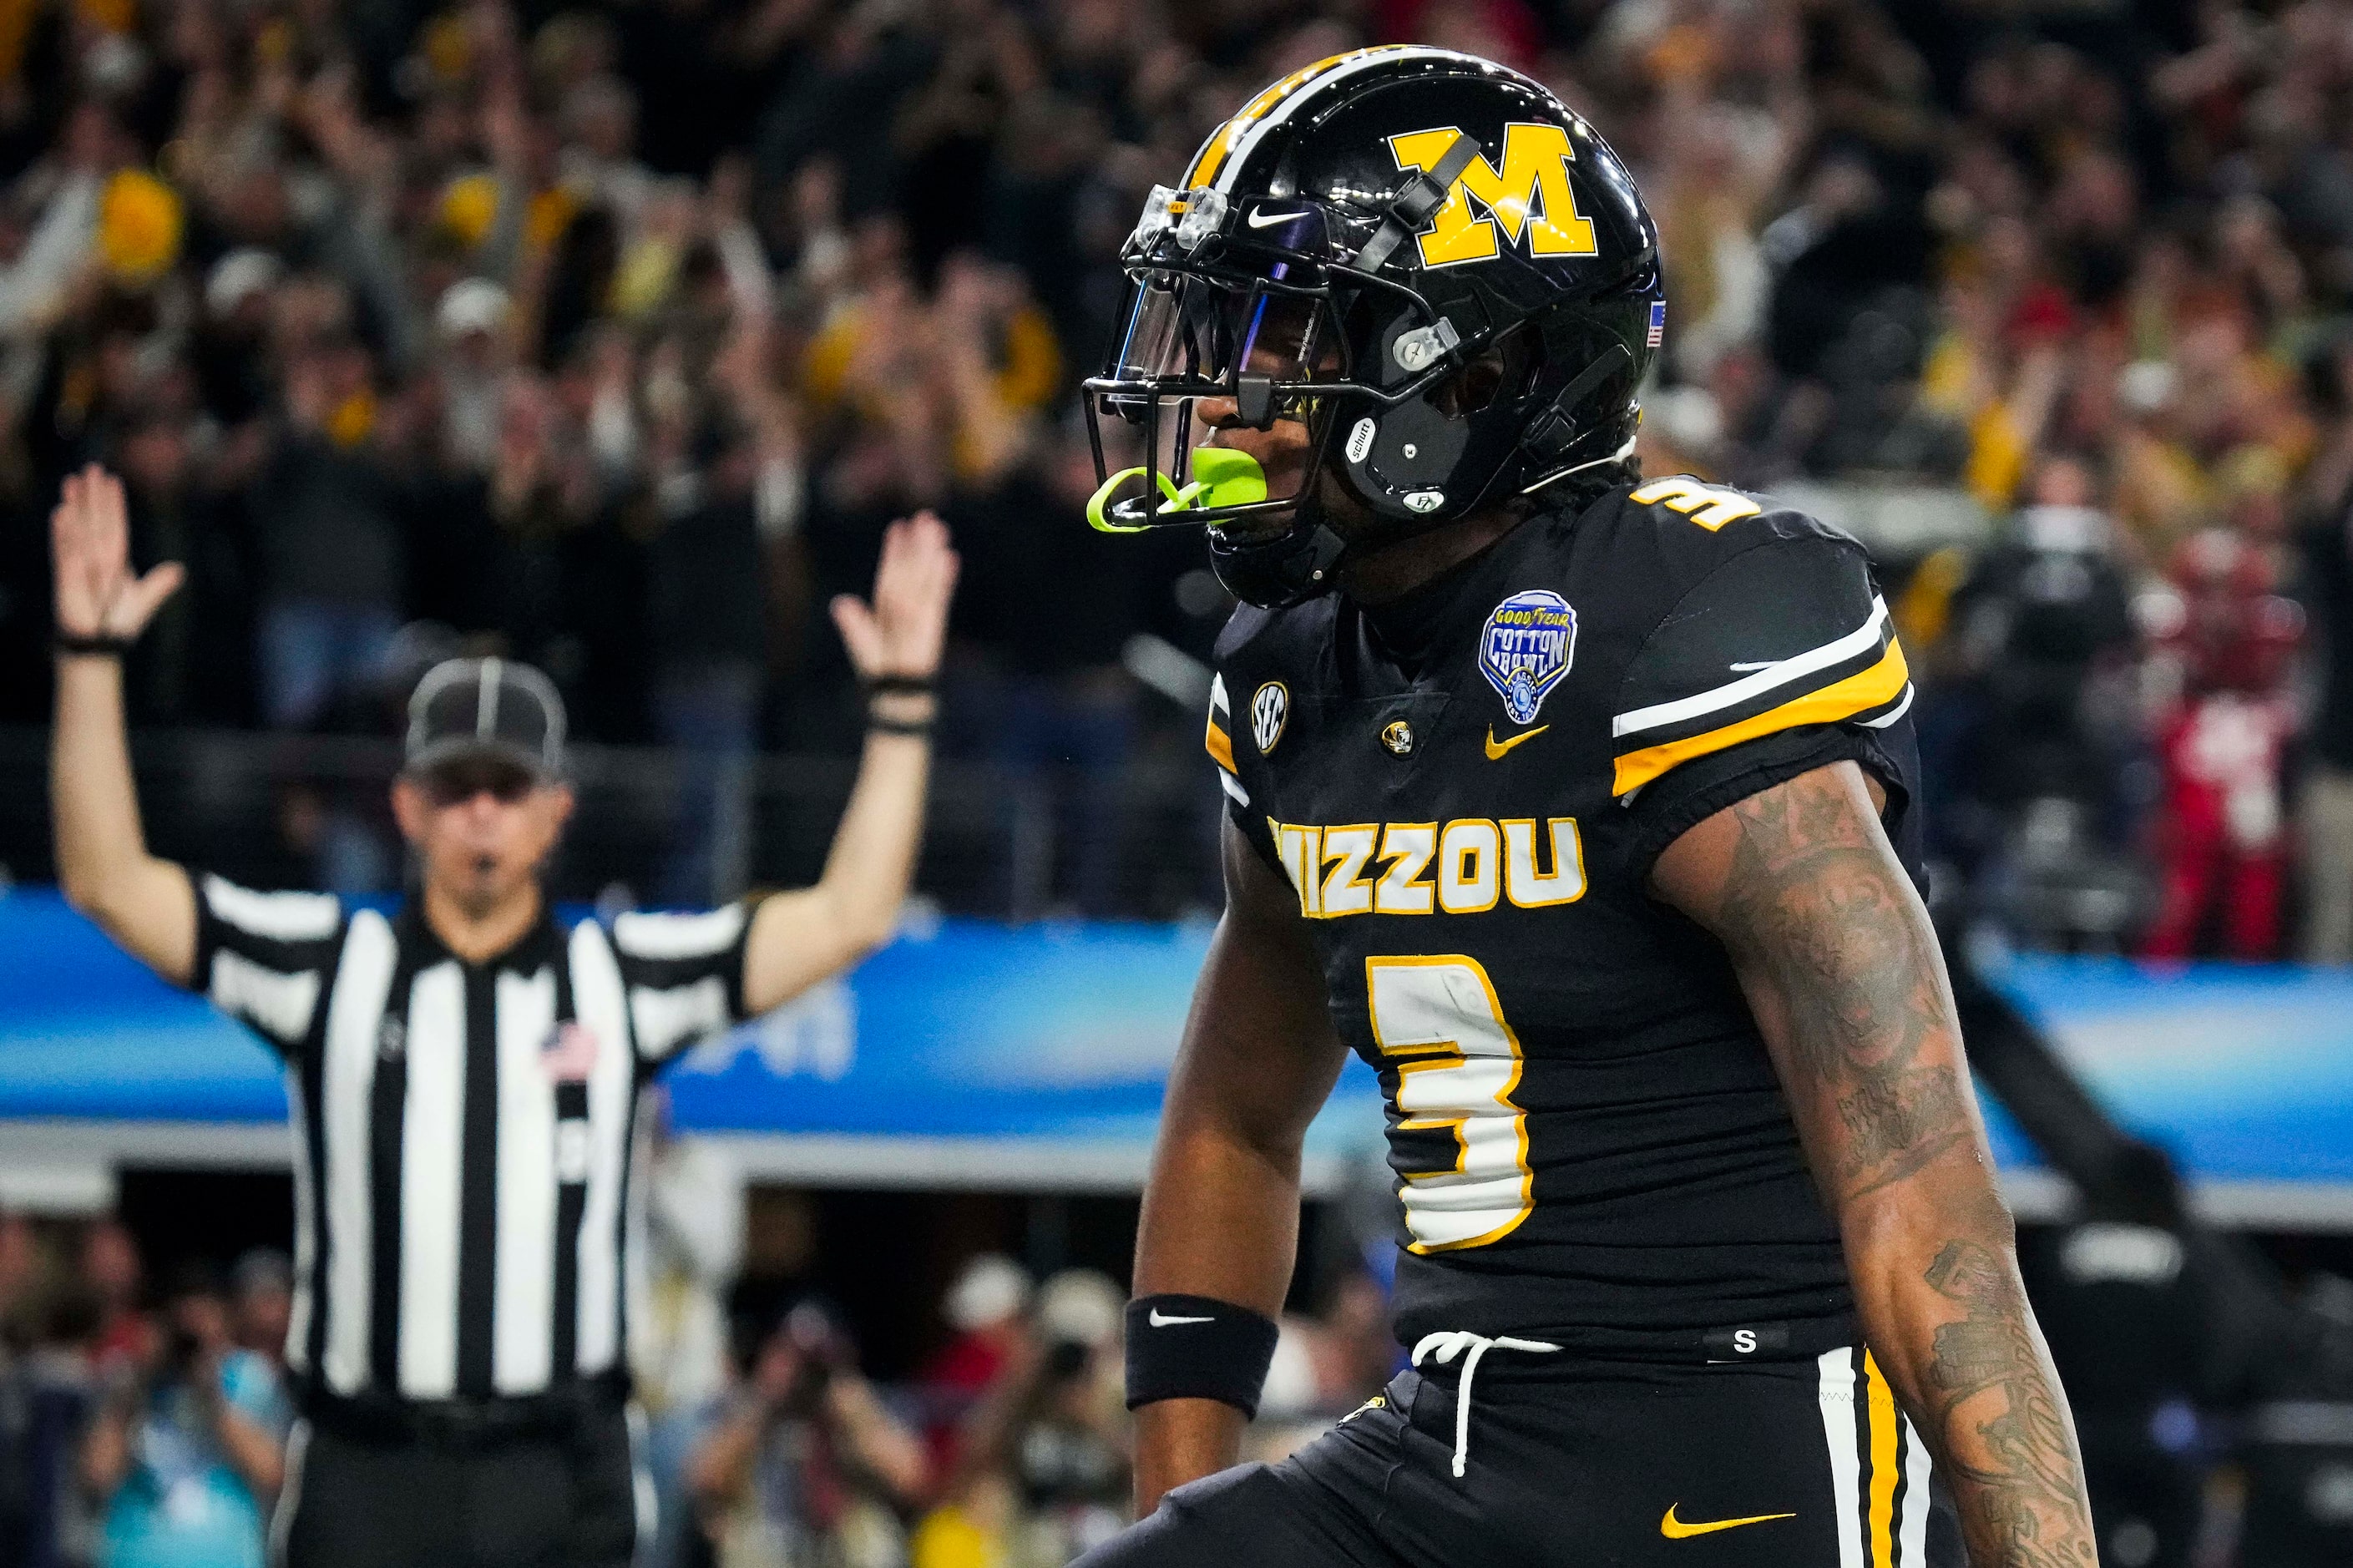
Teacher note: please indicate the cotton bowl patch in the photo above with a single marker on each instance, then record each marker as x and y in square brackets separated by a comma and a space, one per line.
[1526, 649]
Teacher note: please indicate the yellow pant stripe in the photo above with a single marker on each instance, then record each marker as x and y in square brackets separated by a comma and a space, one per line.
[1887, 1467]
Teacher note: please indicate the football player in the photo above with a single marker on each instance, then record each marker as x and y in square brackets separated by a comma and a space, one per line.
[1583, 808]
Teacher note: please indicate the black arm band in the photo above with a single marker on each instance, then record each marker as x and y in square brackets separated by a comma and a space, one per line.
[1195, 1347]
[99, 644]
[877, 725]
[912, 685]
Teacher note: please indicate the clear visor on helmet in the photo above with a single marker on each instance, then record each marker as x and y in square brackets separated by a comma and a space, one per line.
[1191, 329]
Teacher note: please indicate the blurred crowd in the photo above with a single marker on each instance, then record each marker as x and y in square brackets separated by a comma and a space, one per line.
[609, 335]
[144, 1421]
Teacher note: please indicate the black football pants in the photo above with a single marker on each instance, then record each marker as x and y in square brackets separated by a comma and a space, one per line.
[558, 1502]
[1798, 1463]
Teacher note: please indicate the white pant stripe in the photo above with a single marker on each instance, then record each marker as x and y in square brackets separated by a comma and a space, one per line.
[1838, 1394]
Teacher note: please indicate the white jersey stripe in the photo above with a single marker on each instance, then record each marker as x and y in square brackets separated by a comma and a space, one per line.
[523, 1283]
[278, 917]
[432, 1144]
[667, 1018]
[1837, 1393]
[597, 996]
[678, 936]
[347, 1075]
[1780, 673]
[1233, 787]
[279, 1004]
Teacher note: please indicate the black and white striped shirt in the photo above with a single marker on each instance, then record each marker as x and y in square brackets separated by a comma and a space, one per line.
[462, 1131]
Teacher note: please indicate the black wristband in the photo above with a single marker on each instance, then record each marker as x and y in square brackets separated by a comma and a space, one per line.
[910, 685]
[878, 725]
[1196, 1347]
[97, 643]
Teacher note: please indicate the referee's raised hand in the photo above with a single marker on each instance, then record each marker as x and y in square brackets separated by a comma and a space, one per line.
[99, 598]
[798, 938]
[145, 903]
[898, 637]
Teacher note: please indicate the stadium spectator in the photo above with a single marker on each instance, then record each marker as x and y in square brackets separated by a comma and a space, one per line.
[2220, 833]
[1043, 1472]
[186, 1448]
[261, 1302]
[987, 1307]
[806, 1463]
[109, 1266]
[332, 545]
[47, 1321]
[2326, 801]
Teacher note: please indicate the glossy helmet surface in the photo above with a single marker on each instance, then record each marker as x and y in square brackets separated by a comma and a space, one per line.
[1339, 250]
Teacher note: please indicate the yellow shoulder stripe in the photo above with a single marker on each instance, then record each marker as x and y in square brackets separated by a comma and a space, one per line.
[1858, 693]
[1222, 747]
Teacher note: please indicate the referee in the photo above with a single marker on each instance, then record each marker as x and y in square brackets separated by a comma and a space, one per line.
[463, 1074]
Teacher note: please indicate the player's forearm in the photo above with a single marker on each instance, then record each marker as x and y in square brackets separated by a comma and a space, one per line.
[1220, 1219]
[1181, 1441]
[1937, 1286]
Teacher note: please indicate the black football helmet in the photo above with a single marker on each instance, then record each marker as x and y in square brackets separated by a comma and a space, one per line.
[1338, 251]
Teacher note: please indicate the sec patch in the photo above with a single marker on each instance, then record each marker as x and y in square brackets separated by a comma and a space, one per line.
[1525, 650]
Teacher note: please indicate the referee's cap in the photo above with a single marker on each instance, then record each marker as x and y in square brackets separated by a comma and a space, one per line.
[486, 707]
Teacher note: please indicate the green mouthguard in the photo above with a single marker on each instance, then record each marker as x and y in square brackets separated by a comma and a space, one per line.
[1221, 477]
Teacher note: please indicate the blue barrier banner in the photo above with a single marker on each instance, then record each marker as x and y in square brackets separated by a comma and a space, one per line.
[2242, 1072]
[966, 1035]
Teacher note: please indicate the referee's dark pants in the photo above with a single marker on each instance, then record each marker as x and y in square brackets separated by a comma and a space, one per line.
[545, 1482]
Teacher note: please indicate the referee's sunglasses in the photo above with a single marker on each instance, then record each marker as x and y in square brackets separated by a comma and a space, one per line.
[458, 782]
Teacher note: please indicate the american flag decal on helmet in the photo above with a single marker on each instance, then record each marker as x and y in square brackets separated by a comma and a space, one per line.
[1658, 323]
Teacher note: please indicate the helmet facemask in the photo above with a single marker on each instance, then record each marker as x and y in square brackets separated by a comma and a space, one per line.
[1265, 318]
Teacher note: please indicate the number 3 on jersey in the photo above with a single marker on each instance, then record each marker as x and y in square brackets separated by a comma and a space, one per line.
[1458, 1063]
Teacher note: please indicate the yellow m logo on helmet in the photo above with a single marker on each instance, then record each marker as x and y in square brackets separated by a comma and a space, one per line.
[1529, 196]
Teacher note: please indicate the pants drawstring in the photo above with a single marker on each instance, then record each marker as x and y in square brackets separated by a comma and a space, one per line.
[1443, 1347]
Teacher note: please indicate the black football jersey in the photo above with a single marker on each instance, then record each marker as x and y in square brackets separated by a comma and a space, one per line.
[1590, 1144]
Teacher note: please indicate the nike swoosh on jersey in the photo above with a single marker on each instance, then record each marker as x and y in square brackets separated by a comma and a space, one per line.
[1160, 1319]
[1497, 748]
[1674, 1528]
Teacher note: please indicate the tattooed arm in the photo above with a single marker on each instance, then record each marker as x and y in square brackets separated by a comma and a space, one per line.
[1842, 968]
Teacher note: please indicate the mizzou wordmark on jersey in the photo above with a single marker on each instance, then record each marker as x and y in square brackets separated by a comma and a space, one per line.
[1467, 788]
